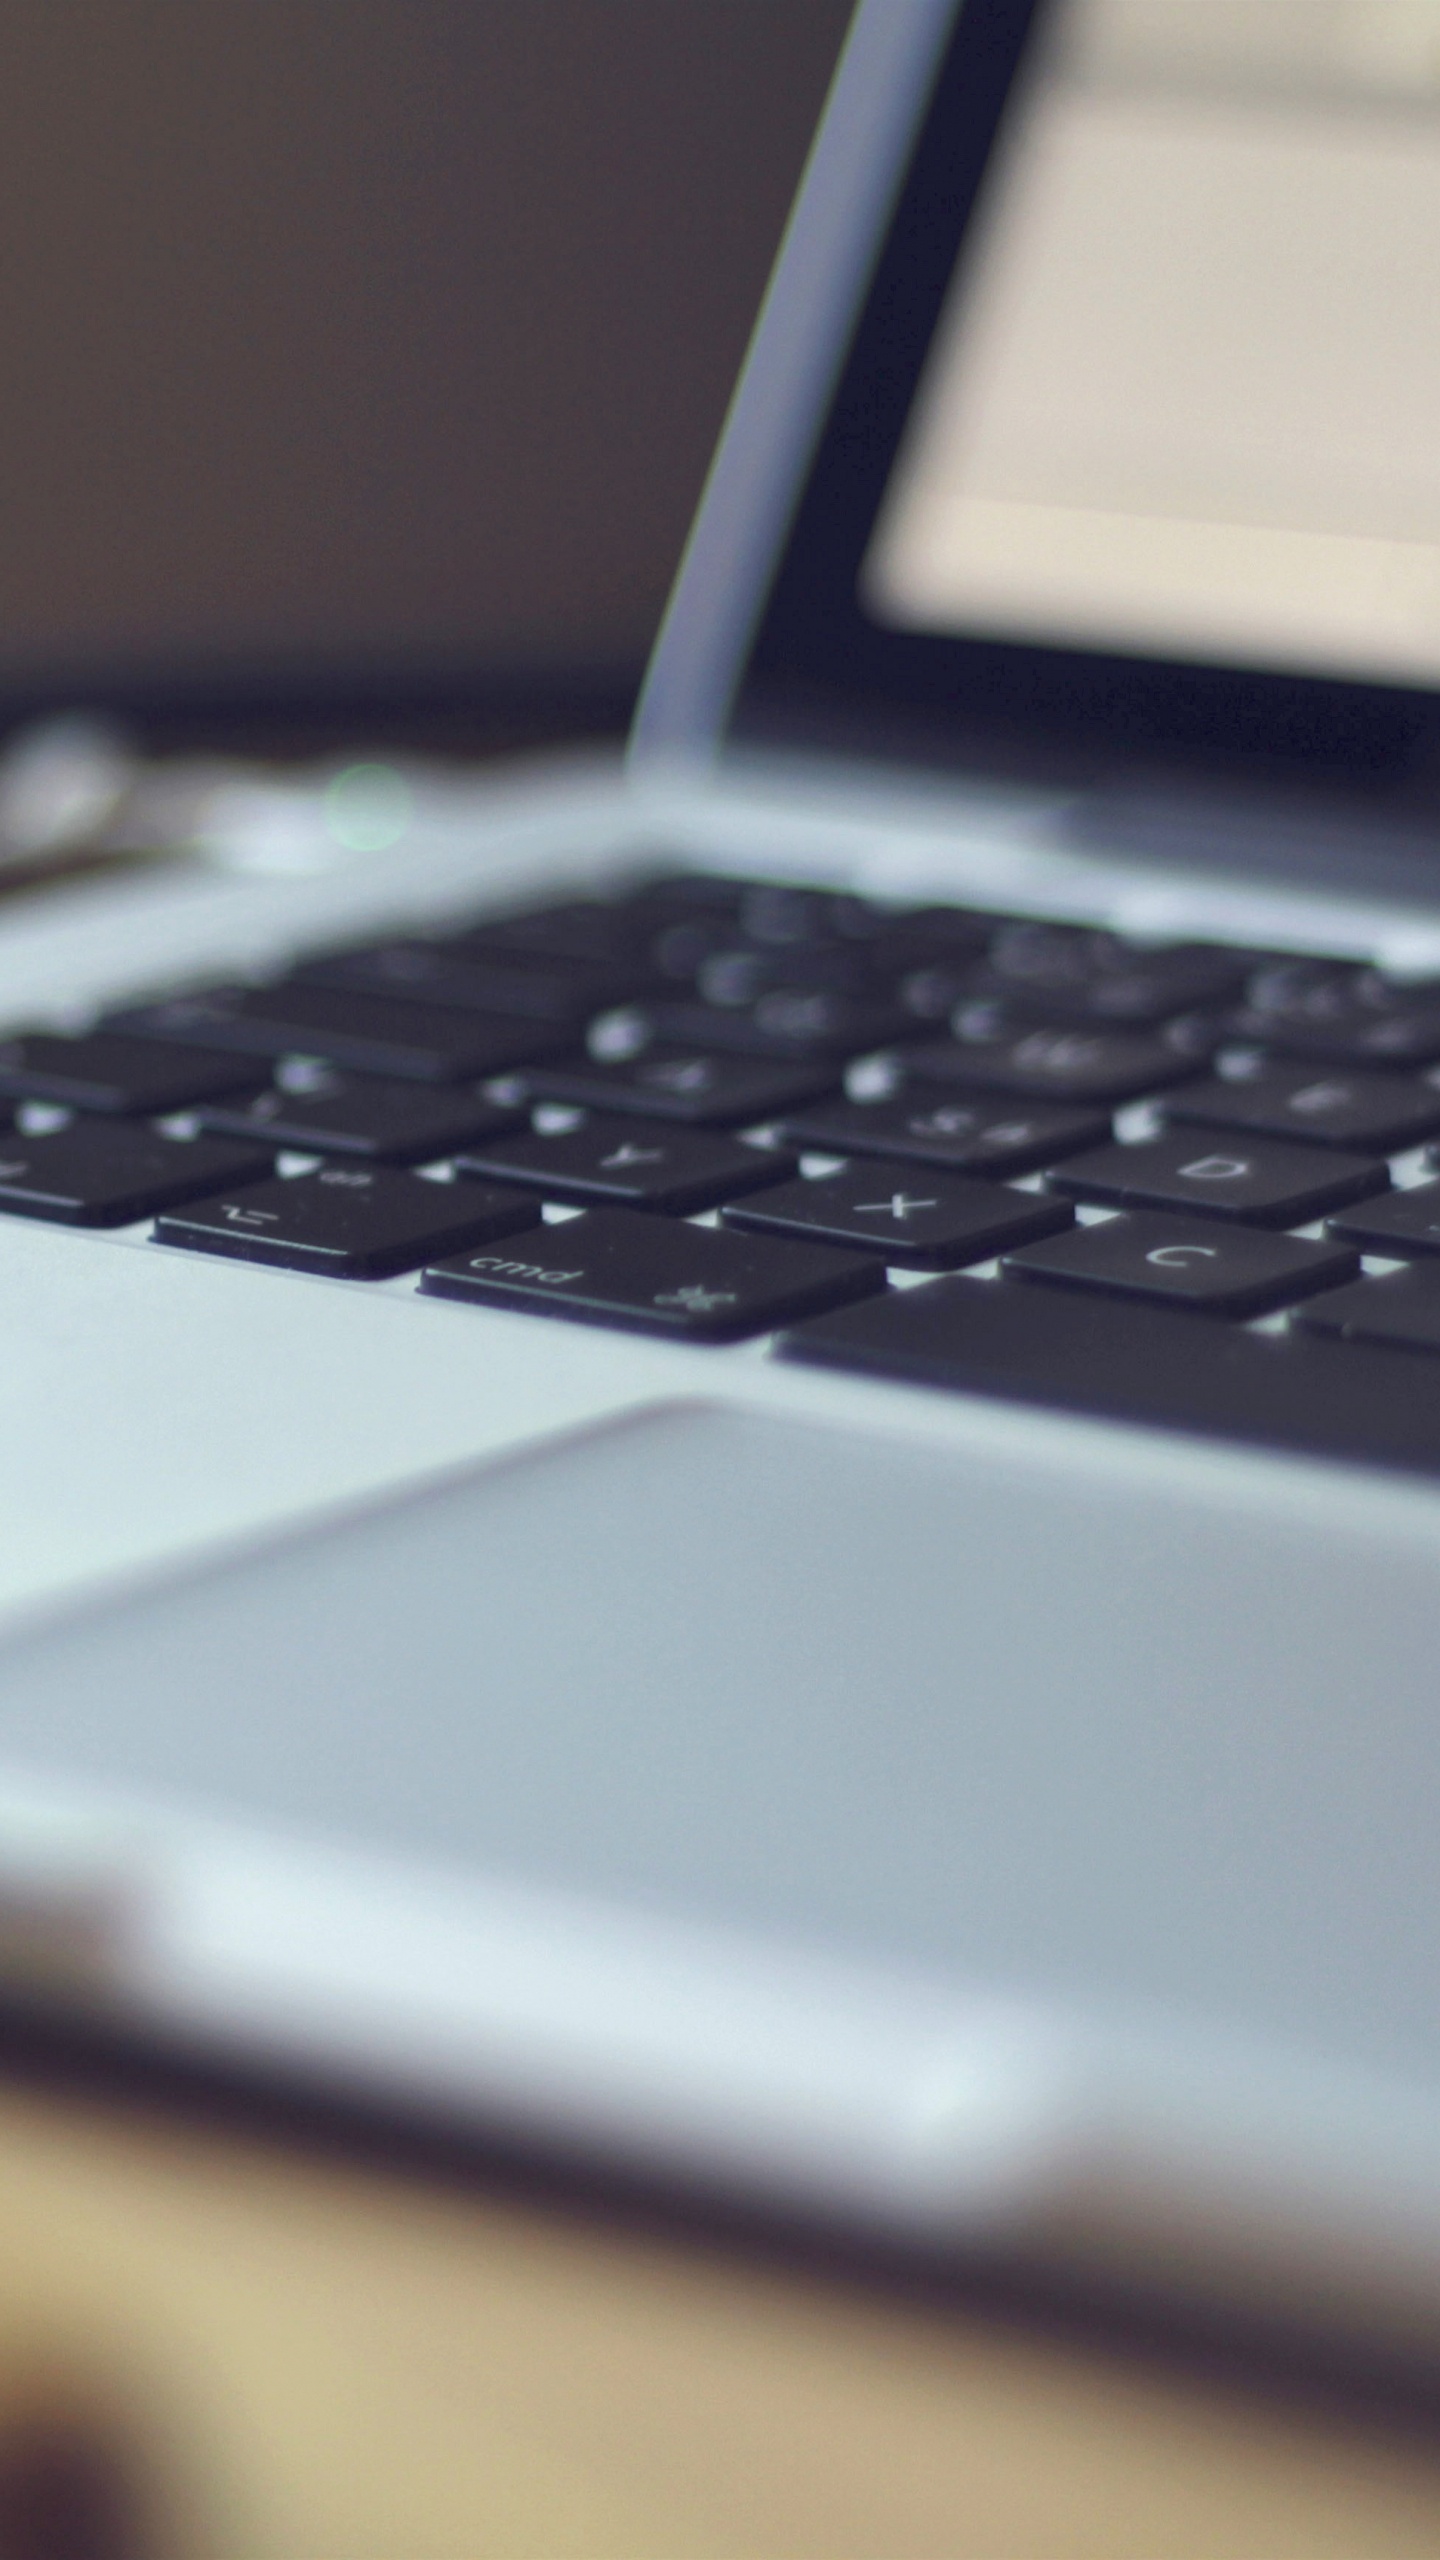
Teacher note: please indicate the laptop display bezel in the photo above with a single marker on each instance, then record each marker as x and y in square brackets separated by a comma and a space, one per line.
[822, 675]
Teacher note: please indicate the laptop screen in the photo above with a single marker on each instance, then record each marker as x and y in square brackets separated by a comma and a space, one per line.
[1137, 451]
[1185, 391]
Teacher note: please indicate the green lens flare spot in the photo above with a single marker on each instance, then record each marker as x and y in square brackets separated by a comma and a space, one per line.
[368, 807]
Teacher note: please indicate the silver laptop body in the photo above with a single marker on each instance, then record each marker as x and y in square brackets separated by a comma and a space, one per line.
[988, 1815]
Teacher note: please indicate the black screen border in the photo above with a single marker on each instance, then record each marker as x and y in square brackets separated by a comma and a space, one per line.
[822, 674]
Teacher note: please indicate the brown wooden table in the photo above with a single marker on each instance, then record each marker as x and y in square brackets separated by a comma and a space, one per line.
[308, 2355]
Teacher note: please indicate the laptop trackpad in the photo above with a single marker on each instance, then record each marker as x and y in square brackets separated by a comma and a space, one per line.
[1090, 1734]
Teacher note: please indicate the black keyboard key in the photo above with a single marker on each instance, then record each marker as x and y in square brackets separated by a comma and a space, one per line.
[711, 1090]
[611, 1160]
[961, 1137]
[581, 929]
[1080, 975]
[476, 981]
[1402, 1225]
[738, 977]
[929, 969]
[697, 896]
[327, 1112]
[1328, 1010]
[775, 915]
[930, 994]
[1296, 987]
[349, 1222]
[1141, 1364]
[1212, 1270]
[1057, 1062]
[1256, 1179]
[1402, 1309]
[103, 1072]
[1400, 1312]
[937, 933]
[377, 1035]
[780, 916]
[1381, 1113]
[880, 946]
[679, 951]
[924, 1220]
[94, 1175]
[1032, 952]
[772, 914]
[1408, 1038]
[786, 1022]
[657, 1275]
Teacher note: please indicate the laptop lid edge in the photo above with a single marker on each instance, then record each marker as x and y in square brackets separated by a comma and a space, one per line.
[835, 228]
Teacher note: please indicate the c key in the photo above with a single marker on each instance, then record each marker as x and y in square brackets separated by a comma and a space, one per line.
[1178, 1262]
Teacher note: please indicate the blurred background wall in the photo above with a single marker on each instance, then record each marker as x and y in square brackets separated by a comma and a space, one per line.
[354, 344]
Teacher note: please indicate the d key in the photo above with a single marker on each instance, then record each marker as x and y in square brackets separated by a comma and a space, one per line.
[1254, 1179]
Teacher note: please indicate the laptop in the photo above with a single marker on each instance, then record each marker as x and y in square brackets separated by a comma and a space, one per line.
[734, 1466]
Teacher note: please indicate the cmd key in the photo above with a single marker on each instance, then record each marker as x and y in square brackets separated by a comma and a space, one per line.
[656, 1275]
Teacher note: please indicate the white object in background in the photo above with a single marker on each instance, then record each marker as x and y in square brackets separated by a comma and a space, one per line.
[61, 782]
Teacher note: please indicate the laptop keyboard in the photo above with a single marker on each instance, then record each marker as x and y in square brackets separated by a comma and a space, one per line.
[1182, 1184]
